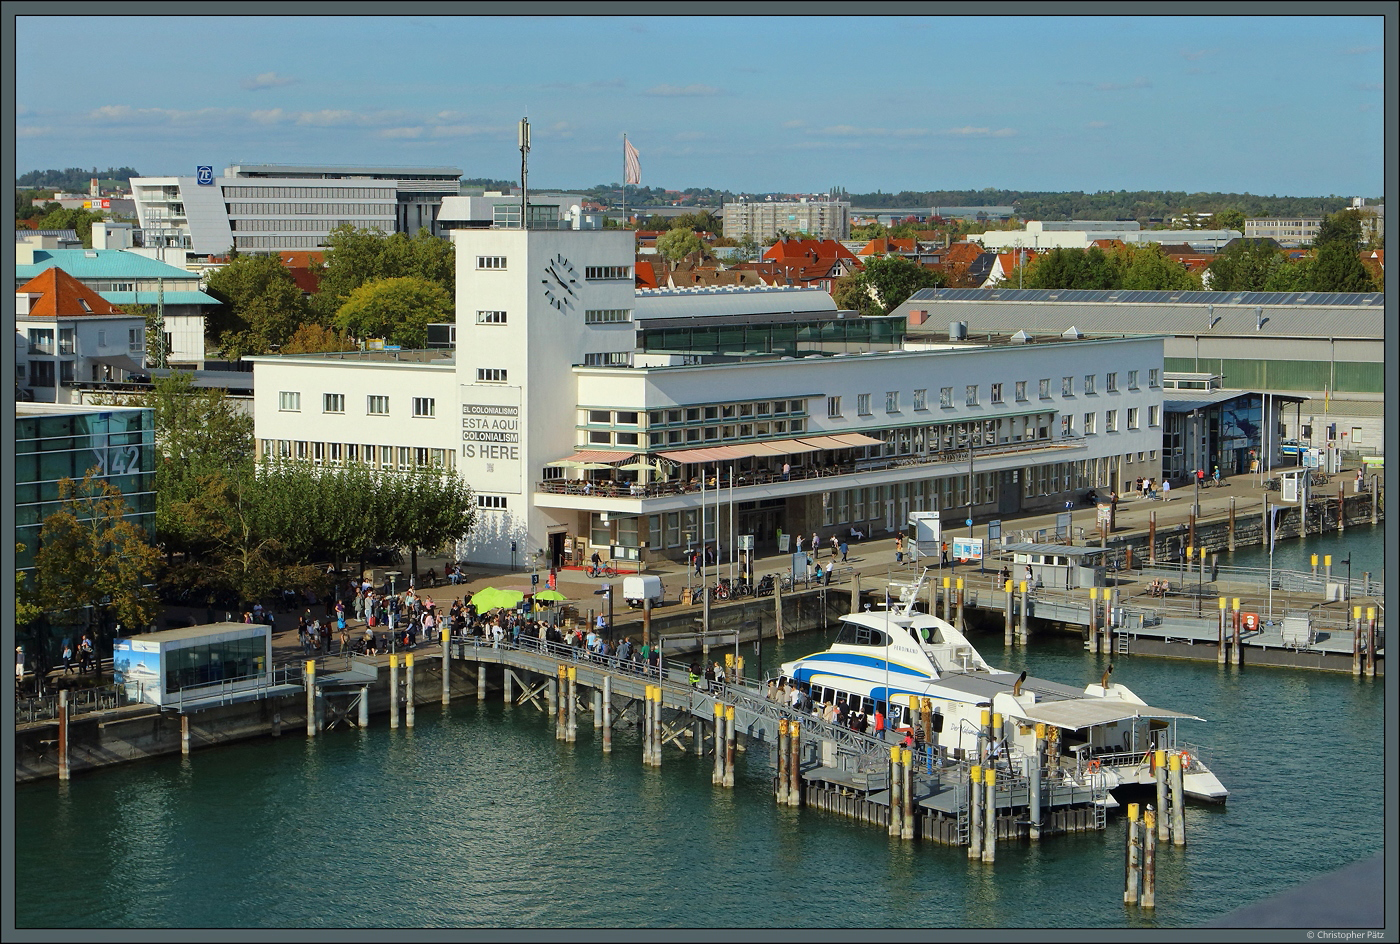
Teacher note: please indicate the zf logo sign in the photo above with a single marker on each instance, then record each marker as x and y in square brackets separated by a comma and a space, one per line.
[204, 175]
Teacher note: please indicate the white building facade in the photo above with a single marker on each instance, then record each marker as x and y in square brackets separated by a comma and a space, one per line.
[576, 441]
[1081, 234]
[764, 220]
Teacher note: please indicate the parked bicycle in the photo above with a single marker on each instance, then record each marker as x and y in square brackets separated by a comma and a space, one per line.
[603, 570]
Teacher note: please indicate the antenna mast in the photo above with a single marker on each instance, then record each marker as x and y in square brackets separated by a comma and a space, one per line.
[524, 173]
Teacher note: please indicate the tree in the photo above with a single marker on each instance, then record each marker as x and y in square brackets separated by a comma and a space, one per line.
[701, 222]
[262, 306]
[1343, 227]
[91, 555]
[852, 293]
[1074, 269]
[883, 284]
[675, 244]
[1246, 265]
[1337, 267]
[76, 219]
[26, 611]
[356, 256]
[1290, 276]
[397, 309]
[1228, 219]
[317, 339]
[432, 507]
[1148, 268]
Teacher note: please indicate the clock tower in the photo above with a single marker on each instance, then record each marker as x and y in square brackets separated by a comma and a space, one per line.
[531, 304]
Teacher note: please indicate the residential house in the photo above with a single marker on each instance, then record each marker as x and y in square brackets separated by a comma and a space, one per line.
[67, 334]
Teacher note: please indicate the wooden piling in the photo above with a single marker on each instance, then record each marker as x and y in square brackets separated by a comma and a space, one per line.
[1356, 651]
[717, 776]
[1220, 640]
[855, 591]
[64, 767]
[1152, 537]
[782, 792]
[311, 693]
[1370, 642]
[1131, 877]
[1159, 771]
[778, 607]
[184, 732]
[974, 813]
[1149, 860]
[446, 637]
[408, 699]
[729, 739]
[989, 845]
[607, 714]
[1341, 507]
[1178, 800]
[646, 621]
[1230, 545]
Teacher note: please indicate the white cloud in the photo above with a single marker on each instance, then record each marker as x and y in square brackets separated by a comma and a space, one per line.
[33, 131]
[682, 91]
[327, 118]
[267, 80]
[268, 116]
[794, 123]
[414, 132]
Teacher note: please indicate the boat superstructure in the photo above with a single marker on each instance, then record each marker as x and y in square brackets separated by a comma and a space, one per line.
[883, 658]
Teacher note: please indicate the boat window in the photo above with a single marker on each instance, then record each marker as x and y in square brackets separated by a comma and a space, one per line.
[853, 634]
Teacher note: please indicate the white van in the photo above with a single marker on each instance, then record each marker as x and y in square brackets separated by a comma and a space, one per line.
[636, 589]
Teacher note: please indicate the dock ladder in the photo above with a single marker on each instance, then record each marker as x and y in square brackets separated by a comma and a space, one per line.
[964, 815]
[1123, 643]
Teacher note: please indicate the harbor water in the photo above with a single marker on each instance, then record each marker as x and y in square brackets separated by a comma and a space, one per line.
[478, 817]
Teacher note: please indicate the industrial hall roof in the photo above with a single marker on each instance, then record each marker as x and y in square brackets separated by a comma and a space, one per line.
[1223, 314]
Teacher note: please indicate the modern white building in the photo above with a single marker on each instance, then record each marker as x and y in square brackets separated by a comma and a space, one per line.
[1081, 234]
[1289, 232]
[264, 207]
[577, 436]
[765, 219]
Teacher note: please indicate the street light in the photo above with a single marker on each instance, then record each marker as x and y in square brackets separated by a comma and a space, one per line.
[1195, 461]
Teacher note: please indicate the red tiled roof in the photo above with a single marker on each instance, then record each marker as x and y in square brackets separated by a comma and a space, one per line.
[645, 274]
[794, 249]
[62, 296]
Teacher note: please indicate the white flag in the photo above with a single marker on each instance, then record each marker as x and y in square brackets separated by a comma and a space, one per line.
[632, 167]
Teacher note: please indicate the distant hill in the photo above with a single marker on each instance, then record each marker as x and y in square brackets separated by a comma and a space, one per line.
[1140, 205]
[74, 179]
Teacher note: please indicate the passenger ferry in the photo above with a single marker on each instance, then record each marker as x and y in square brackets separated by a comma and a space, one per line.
[882, 658]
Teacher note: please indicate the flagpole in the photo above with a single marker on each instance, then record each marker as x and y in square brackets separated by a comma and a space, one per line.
[624, 179]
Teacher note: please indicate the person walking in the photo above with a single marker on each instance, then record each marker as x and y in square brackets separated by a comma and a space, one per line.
[843, 552]
[1166, 490]
[899, 548]
[67, 657]
[85, 654]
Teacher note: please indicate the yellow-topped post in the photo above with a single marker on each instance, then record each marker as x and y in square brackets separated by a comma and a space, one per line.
[1371, 642]
[989, 844]
[974, 803]
[1178, 800]
[311, 726]
[1222, 634]
[408, 697]
[1130, 885]
[896, 824]
[907, 794]
[717, 775]
[1025, 633]
[394, 689]
[729, 739]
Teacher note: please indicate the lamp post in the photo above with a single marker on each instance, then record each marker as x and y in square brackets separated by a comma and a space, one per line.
[1195, 462]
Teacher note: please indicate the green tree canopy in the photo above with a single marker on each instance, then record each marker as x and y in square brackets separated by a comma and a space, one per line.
[1145, 267]
[399, 310]
[1228, 219]
[262, 305]
[1337, 267]
[675, 244]
[317, 339]
[883, 285]
[1074, 269]
[1246, 265]
[702, 221]
[76, 219]
[1343, 227]
[91, 555]
[356, 256]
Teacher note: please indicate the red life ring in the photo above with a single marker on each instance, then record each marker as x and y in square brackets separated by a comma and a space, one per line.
[1185, 760]
[1093, 767]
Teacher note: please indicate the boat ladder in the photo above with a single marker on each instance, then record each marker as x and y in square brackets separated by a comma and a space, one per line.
[1123, 643]
[964, 816]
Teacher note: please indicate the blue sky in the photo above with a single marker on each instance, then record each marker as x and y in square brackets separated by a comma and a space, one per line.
[1270, 105]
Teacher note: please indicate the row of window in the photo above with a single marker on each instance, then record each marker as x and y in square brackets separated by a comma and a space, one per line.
[312, 193]
[693, 435]
[757, 409]
[608, 359]
[319, 224]
[972, 394]
[494, 502]
[381, 210]
[276, 242]
[1110, 421]
[590, 316]
[402, 458]
[289, 401]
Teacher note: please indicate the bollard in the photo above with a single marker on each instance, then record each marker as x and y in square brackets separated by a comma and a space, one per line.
[1159, 771]
[1313, 561]
[364, 708]
[974, 791]
[1149, 860]
[896, 826]
[311, 697]
[1327, 566]
[1130, 884]
[717, 777]
[1007, 630]
[729, 739]
[571, 707]
[64, 769]
[907, 794]
[446, 666]
[782, 762]
[277, 724]
[795, 763]
[607, 714]
[1178, 800]
[408, 699]
[1036, 768]
[989, 817]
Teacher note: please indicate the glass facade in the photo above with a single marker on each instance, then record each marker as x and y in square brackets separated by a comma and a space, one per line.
[803, 337]
[120, 444]
[214, 662]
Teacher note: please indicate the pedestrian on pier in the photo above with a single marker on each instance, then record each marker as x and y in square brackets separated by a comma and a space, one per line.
[85, 654]
[67, 656]
[843, 552]
[944, 549]
[835, 546]
[815, 545]
[1166, 490]
[899, 548]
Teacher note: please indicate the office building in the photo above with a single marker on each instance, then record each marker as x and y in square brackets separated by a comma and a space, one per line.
[765, 220]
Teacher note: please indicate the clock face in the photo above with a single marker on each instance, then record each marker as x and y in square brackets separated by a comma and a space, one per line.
[560, 282]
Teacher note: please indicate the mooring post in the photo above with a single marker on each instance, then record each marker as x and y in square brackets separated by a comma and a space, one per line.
[961, 627]
[1341, 507]
[1220, 645]
[1371, 641]
[855, 591]
[729, 739]
[1149, 859]
[1008, 633]
[1375, 485]
[989, 845]
[364, 706]
[1130, 884]
[646, 621]
[1152, 537]
[717, 777]
[1037, 765]
[480, 678]
[507, 686]
[1231, 539]
[1094, 619]
[184, 730]
[393, 690]
[974, 816]
[896, 825]
[1178, 800]
[946, 603]
[1159, 771]
[64, 770]
[777, 607]
[597, 708]
[607, 714]
[657, 730]
[571, 707]
[446, 636]
[782, 790]
[560, 691]
[1356, 651]
[276, 723]
[795, 763]
[1239, 645]
[311, 697]
[409, 700]
[907, 794]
